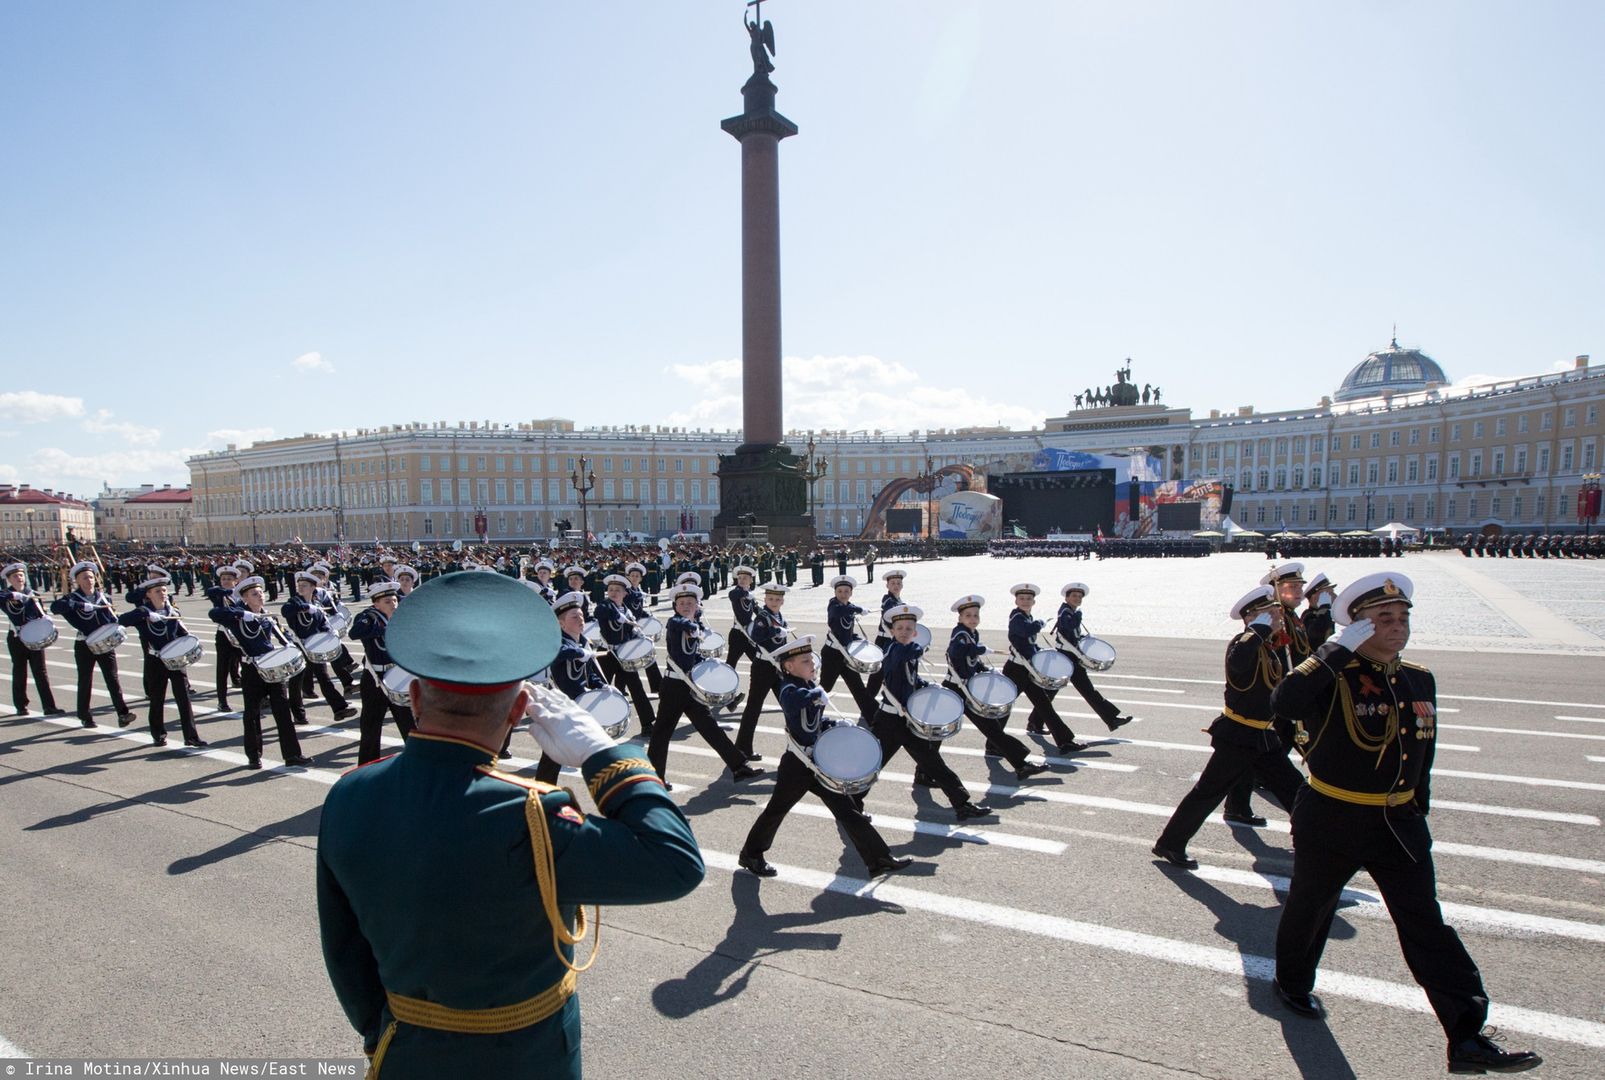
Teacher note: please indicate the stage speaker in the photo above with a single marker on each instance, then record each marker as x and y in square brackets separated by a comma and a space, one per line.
[1226, 493]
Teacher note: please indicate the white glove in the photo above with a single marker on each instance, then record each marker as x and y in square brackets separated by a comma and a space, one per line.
[567, 733]
[818, 694]
[1262, 619]
[1355, 634]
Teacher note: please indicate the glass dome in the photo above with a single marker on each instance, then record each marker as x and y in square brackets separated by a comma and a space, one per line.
[1392, 370]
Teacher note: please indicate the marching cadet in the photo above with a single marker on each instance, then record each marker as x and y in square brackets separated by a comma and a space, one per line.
[617, 626]
[575, 577]
[306, 618]
[1067, 628]
[744, 607]
[387, 566]
[841, 630]
[1246, 745]
[1318, 596]
[891, 719]
[369, 628]
[327, 597]
[158, 625]
[437, 827]
[543, 580]
[22, 605]
[964, 653]
[803, 702]
[407, 577]
[635, 604]
[681, 638]
[883, 636]
[153, 572]
[1370, 721]
[228, 653]
[87, 609]
[258, 635]
[1023, 631]
[768, 632]
[574, 670]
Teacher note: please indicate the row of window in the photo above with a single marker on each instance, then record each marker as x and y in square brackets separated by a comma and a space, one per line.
[1528, 508]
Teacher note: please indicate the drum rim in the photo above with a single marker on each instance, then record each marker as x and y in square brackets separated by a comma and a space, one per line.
[692, 674]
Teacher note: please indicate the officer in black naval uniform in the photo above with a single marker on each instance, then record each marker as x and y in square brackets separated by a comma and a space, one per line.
[1245, 742]
[22, 605]
[369, 628]
[841, 630]
[1317, 618]
[964, 652]
[87, 609]
[1368, 723]
[258, 636]
[1293, 642]
[803, 701]
[438, 829]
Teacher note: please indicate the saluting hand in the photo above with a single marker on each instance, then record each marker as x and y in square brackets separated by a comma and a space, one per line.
[566, 732]
[1357, 633]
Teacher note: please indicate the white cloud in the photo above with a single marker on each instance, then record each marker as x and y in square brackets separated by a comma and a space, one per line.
[312, 363]
[846, 392]
[1469, 381]
[135, 434]
[238, 436]
[32, 407]
[83, 474]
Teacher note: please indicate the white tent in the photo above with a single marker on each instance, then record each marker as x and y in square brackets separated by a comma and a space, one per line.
[1394, 528]
[1228, 526]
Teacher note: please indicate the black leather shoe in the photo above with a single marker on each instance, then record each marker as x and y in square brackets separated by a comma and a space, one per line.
[1246, 819]
[196, 743]
[735, 703]
[1306, 1005]
[966, 811]
[889, 865]
[303, 761]
[921, 780]
[1118, 722]
[124, 719]
[1071, 747]
[1480, 1054]
[84, 721]
[1175, 857]
[24, 711]
[1028, 770]
[345, 713]
[253, 763]
[752, 755]
[158, 740]
[55, 712]
[746, 772]
[1035, 729]
[757, 865]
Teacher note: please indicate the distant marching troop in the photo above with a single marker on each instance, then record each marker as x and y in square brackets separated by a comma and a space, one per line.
[1327, 681]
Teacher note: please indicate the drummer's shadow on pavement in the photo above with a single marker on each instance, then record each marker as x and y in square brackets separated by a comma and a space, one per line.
[1251, 929]
[753, 934]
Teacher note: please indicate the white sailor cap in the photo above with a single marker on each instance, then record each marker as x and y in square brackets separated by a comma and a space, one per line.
[12, 568]
[245, 566]
[155, 571]
[246, 584]
[226, 568]
[901, 611]
[568, 600]
[307, 575]
[152, 582]
[634, 568]
[1318, 582]
[387, 557]
[1023, 587]
[690, 577]
[745, 569]
[1257, 597]
[403, 568]
[571, 571]
[974, 600]
[80, 567]
[616, 579]
[684, 590]
[894, 572]
[1371, 591]
[1076, 586]
[775, 588]
[1288, 571]
[383, 588]
[795, 647]
[320, 567]
[544, 564]
[843, 579]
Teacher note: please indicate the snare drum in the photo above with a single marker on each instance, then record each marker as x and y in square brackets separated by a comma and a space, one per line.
[181, 653]
[105, 639]
[281, 665]
[611, 709]
[991, 694]
[922, 635]
[593, 634]
[935, 712]
[847, 758]
[634, 654]
[395, 685]
[38, 634]
[1096, 653]
[339, 624]
[863, 656]
[715, 683]
[1050, 669]
[321, 648]
[712, 645]
[650, 628]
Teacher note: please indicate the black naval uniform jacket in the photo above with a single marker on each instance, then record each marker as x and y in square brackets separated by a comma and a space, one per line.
[573, 671]
[1253, 672]
[305, 619]
[768, 630]
[964, 652]
[839, 618]
[86, 612]
[1318, 625]
[742, 604]
[369, 628]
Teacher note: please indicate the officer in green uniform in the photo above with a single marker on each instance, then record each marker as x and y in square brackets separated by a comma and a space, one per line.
[449, 892]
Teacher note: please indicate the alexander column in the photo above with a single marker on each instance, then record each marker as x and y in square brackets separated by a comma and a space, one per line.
[761, 483]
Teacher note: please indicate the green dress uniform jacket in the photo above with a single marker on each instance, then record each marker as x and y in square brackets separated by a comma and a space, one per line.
[435, 922]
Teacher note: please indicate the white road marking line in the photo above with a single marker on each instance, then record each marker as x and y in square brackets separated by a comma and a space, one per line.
[1369, 904]
[1521, 731]
[1522, 701]
[1517, 812]
[1158, 678]
[1168, 704]
[1169, 950]
[10, 1049]
[1584, 719]
[989, 837]
[1530, 781]
[1600, 760]
[966, 751]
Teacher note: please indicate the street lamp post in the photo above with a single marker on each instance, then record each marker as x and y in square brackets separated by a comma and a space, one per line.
[584, 480]
[253, 515]
[1588, 500]
[1369, 492]
[29, 515]
[813, 467]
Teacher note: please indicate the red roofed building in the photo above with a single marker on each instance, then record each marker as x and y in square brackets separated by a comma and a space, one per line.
[150, 514]
[38, 517]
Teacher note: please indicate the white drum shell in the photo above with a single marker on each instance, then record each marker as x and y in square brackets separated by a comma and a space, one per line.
[281, 665]
[181, 653]
[991, 694]
[38, 634]
[863, 656]
[609, 706]
[714, 682]
[650, 627]
[105, 639]
[635, 654]
[1050, 668]
[922, 636]
[847, 759]
[935, 712]
[593, 634]
[1097, 654]
[395, 684]
[321, 648]
[712, 645]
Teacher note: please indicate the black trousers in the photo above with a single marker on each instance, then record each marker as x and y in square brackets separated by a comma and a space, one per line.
[158, 681]
[834, 666]
[873, 686]
[87, 662]
[316, 673]
[998, 741]
[23, 661]
[675, 702]
[1231, 763]
[654, 678]
[228, 667]
[372, 718]
[1101, 705]
[765, 680]
[630, 683]
[1043, 714]
[739, 645]
[254, 689]
[1333, 840]
[893, 733]
[793, 780]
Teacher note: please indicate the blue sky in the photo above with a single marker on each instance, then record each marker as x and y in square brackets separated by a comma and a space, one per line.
[226, 220]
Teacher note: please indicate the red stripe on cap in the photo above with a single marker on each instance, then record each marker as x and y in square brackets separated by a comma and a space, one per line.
[471, 689]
